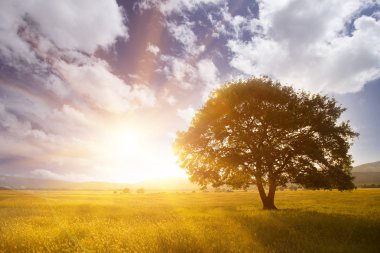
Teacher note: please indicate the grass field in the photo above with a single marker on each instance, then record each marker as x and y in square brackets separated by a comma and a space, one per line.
[73, 221]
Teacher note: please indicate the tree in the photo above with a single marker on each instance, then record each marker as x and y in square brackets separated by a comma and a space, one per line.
[258, 132]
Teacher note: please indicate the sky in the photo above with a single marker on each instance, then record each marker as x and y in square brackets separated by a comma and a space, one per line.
[96, 90]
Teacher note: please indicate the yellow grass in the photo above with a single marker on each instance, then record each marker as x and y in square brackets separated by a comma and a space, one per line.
[75, 221]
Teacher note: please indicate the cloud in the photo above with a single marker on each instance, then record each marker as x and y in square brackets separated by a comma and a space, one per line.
[178, 6]
[169, 7]
[224, 23]
[177, 14]
[54, 84]
[67, 24]
[74, 113]
[61, 95]
[53, 44]
[153, 49]
[31, 121]
[312, 46]
[209, 74]
[143, 95]
[200, 76]
[183, 34]
[94, 81]
[186, 114]
[17, 128]
[178, 69]
[171, 100]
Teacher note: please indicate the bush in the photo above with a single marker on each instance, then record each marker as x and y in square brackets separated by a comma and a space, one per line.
[370, 186]
[126, 190]
[141, 190]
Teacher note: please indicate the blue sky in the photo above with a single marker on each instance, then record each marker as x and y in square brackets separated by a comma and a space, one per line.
[95, 90]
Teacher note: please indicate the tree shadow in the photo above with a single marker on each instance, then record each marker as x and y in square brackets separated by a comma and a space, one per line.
[294, 230]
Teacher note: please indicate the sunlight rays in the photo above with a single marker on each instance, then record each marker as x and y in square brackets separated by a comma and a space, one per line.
[132, 153]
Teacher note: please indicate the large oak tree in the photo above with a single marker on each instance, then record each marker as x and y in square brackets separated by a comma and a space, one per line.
[259, 132]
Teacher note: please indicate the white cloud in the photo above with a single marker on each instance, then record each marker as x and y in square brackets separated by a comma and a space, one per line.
[171, 100]
[143, 95]
[182, 30]
[180, 70]
[56, 85]
[74, 114]
[68, 24]
[209, 74]
[153, 49]
[169, 7]
[30, 119]
[232, 26]
[183, 34]
[177, 6]
[36, 29]
[94, 81]
[186, 114]
[20, 129]
[202, 74]
[310, 46]
[47, 41]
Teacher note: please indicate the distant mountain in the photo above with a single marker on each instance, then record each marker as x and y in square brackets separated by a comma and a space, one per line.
[366, 174]
[40, 183]
[367, 167]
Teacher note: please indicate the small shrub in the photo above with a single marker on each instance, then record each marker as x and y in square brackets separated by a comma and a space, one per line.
[141, 190]
[370, 186]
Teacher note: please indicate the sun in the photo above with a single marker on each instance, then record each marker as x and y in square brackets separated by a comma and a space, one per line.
[127, 140]
[122, 143]
[133, 153]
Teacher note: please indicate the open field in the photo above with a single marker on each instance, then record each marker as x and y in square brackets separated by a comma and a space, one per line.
[75, 221]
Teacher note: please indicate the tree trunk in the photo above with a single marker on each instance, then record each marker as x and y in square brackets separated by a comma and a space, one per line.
[268, 200]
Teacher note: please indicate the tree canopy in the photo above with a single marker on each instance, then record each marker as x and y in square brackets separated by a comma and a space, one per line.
[259, 132]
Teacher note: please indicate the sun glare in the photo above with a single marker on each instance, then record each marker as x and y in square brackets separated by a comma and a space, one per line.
[132, 154]
[127, 140]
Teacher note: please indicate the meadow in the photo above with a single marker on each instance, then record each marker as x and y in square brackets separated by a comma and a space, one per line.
[101, 221]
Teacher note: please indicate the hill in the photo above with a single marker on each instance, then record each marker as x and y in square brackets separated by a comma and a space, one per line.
[368, 167]
[367, 174]
[41, 183]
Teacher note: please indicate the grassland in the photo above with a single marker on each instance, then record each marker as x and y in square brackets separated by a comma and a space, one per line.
[74, 221]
